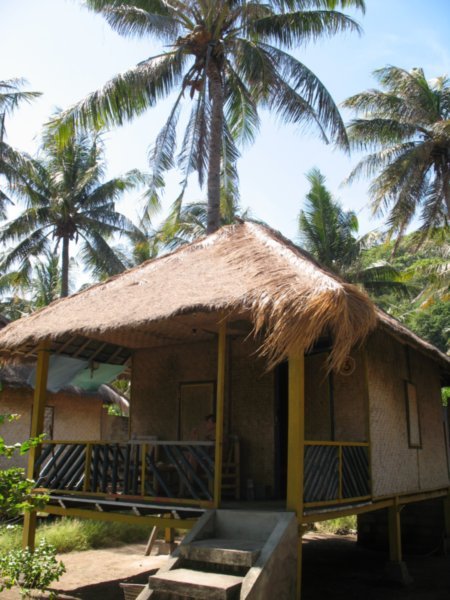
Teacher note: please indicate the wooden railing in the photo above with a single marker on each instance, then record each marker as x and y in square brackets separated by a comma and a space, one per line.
[336, 472]
[156, 470]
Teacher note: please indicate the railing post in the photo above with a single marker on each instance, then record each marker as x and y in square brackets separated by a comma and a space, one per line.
[395, 536]
[396, 569]
[37, 425]
[143, 468]
[221, 363]
[87, 468]
[340, 471]
[447, 522]
[296, 448]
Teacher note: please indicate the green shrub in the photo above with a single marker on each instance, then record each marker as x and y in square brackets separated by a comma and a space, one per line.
[30, 571]
[340, 526]
[101, 534]
[67, 535]
[10, 538]
[71, 535]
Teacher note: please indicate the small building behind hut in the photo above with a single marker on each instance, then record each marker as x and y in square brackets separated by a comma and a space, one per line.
[69, 414]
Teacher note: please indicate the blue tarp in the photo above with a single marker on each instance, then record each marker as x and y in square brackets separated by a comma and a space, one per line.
[91, 379]
[61, 370]
[65, 371]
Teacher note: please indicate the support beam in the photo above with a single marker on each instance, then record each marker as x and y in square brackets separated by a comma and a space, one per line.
[37, 426]
[396, 569]
[447, 523]
[221, 364]
[296, 435]
[395, 534]
[296, 445]
[144, 521]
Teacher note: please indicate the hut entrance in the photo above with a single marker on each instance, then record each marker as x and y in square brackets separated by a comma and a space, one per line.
[319, 411]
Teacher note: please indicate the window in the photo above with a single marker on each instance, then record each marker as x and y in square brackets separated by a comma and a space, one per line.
[412, 415]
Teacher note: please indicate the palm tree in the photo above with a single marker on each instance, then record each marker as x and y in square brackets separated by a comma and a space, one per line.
[186, 223]
[326, 229]
[407, 124]
[329, 232]
[11, 96]
[66, 201]
[22, 293]
[230, 57]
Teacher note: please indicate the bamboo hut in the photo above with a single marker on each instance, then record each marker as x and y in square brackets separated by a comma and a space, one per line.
[322, 402]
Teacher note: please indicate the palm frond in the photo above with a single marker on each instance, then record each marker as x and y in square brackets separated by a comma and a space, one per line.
[99, 256]
[126, 96]
[136, 21]
[292, 29]
[309, 87]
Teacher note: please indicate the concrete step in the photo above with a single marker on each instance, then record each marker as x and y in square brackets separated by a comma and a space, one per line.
[197, 584]
[239, 553]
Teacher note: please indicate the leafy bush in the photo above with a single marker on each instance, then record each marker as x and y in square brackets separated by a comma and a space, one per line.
[15, 489]
[30, 570]
[71, 535]
[340, 526]
[15, 494]
[27, 569]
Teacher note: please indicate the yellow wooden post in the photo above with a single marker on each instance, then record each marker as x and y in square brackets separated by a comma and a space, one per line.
[169, 535]
[143, 467]
[395, 534]
[37, 426]
[221, 363]
[296, 445]
[87, 468]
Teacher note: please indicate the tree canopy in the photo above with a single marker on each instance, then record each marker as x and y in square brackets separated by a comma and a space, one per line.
[230, 57]
[11, 97]
[407, 125]
[330, 233]
[66, 200]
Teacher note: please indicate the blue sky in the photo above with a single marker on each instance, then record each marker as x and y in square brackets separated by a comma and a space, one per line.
[65, 51]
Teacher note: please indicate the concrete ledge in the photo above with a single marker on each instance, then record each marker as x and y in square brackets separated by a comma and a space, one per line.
[239, 553]
[197, 584]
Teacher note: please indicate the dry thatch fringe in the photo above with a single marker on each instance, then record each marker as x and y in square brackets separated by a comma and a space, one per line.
[296, 301]
[291, 329]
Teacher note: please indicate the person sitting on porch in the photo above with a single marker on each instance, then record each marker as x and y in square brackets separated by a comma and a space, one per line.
[207, 430]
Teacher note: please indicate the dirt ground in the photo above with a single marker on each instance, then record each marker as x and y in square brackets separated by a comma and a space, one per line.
[334, 568]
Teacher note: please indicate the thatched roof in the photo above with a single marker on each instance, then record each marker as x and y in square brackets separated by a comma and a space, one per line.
[406, 336]
[242, 271]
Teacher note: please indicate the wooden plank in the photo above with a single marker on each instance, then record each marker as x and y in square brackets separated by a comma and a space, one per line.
[143, 521]
[395, 534]
[296, 448]
[221, 366]
[87, 468]
[37, 426]
[296, 433]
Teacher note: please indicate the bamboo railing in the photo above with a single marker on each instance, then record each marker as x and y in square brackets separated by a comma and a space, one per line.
[155, 470]
[336, 472]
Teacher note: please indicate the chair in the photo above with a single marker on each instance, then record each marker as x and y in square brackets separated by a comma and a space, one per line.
[231, 469]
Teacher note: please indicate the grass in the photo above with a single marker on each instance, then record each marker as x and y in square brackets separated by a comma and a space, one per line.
[69, 535]
[340, 526]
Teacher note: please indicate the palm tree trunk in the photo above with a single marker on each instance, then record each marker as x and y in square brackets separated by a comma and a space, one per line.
[215, 147]
[447, 187]
[65, 268]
